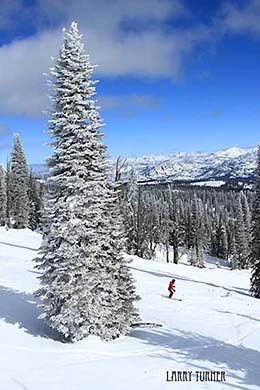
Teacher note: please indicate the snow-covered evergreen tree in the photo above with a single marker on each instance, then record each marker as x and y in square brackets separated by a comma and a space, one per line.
[196, 254]
[255, 242]
[86, 284]
[3, 198]
[34, 202]
[165, 227]
[247, 223]
[8, 191]
[175, 209]
[144, 219]
[18, 186]
[241, 238]
[233, 257]
[125, 312]
[131, 211]
[221, 239]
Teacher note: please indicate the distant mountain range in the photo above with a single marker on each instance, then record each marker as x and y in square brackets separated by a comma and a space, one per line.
[232, 163]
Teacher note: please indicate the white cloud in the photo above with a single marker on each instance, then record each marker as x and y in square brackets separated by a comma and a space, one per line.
[22, 64]
[241, 19]
[125, 38]
[147, 102]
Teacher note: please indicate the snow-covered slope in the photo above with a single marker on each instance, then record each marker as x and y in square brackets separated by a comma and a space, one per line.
[215, 327]
[229, 163]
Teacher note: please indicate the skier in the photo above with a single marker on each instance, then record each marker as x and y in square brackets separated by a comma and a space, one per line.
[171, 288]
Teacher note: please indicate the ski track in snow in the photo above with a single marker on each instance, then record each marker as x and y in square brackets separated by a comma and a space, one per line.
[215, 327]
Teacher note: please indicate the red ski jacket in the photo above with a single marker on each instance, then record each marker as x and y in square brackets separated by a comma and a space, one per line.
[171, 286]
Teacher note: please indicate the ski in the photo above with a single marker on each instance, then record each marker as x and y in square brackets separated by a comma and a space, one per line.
[145, 324]
[176, 299]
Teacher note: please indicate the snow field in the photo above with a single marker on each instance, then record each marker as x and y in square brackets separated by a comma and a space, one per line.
[215, 327]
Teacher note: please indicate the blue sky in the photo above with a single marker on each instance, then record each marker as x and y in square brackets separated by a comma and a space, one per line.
[174, 75]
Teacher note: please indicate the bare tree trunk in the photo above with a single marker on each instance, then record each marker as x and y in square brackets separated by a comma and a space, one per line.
[175, 250]
[167, 252]
[120, 165]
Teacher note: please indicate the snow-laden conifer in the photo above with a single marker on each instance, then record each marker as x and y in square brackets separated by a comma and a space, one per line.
[86, 285]
[3, 198]
[255, 242]
[196, 253]
[125, 311]
[175, 210]
[221, 239]
[248, 224]
[241, 237]
[35, 202]
[131, 211]
[233, 257]
[8, 191]
[18, 186]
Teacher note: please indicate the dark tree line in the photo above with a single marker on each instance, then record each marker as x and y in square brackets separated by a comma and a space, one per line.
[255, 249]
[200, 220]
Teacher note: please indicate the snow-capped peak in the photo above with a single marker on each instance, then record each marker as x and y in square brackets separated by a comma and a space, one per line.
[235, 151]
[233, 162]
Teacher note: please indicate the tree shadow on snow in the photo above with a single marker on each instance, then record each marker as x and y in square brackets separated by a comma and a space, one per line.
[17, 307]
[19, 246]
[194, 347]
[183, 278]
[240, 315]
[155, 273]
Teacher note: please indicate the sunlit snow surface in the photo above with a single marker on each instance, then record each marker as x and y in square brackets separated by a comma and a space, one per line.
[216, 326]
[210, 183]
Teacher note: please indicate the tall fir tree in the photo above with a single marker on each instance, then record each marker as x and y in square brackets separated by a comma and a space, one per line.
[35, 202]
[232, 253]
[18, 186]
[86, 284]
[131, 211]
[3, 198]
[221, 239]
[8, 192]
[241, 237]
[255, 242]
[125, 312]
[175, 225]
[247, 223]
[196, 254]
